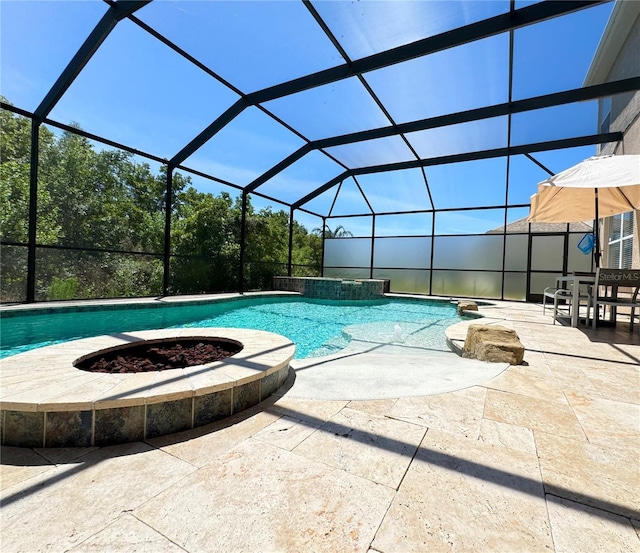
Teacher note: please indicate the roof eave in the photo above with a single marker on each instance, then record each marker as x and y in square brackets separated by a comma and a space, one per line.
[621, 21]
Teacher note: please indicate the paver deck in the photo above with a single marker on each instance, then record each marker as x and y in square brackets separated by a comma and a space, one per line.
[542, 457]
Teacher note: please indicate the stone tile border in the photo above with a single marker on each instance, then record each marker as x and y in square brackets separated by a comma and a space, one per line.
[126, 304]
[47, 402]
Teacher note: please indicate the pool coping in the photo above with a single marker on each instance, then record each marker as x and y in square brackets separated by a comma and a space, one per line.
[46, 401]
[43, 308]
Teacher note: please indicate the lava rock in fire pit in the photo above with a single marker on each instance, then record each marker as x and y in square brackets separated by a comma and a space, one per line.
[154, 356]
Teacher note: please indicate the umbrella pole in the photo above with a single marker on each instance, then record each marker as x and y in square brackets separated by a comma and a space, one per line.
[596, 227]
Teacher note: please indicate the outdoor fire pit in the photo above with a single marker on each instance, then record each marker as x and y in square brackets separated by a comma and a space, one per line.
[159, 355]
[137, 385]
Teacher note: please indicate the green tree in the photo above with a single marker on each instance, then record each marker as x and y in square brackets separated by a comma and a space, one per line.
[267, 247]
[95, 204]
[205, 239]
[338, 232]
[307, 251]
[15, 163]
[106, 201]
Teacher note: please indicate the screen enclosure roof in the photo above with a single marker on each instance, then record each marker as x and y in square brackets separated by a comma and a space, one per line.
[331, 107]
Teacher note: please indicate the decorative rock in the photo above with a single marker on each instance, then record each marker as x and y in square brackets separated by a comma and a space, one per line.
[493, 343]
[467, 306]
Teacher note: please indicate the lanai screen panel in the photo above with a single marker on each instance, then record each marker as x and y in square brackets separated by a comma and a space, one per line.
[347, 227]
[252, 45]
[366, 28]
[29, 70]
[263, 95]
[13, 279]
[469, 252]
[380, 151]
[523, 171]
[120, 95]
[302, 177]
[554, 159]
[402, 253]
[477, 183]
[396, 191]
[517, 214]
[472, 136]
[333, 109]
[404, 224]
[555, 123]
[457, 79]
[546, 55]
[515, 286]
[517, 247]
[352, 252]
[15, 178]
[350, 199]
[245, 148]
[15, 210]
[322, 203]
[578, 260]
[349, 257]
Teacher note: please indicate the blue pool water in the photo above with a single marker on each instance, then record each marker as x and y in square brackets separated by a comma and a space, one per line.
[315, 326]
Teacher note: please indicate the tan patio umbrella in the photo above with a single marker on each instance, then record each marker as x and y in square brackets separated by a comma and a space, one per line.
[596, 187]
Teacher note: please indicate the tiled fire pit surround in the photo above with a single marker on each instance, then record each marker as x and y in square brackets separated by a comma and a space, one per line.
[46, 402]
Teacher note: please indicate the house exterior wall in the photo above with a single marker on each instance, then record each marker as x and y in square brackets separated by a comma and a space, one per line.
[625, 108]
[625, 117]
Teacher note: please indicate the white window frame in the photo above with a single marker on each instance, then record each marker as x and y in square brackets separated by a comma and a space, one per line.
[605, 114]
[617, 262]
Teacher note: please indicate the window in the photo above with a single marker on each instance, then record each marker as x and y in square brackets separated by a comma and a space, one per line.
[620, 241]
[605, 114]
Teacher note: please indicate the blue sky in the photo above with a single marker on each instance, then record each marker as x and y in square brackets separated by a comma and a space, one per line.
[138, 92]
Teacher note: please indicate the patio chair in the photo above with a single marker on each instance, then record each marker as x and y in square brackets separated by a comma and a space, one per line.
[558, 293]
[610, 280]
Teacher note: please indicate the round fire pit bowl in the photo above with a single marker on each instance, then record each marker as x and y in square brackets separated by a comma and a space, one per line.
[159, 355]
[51, 400]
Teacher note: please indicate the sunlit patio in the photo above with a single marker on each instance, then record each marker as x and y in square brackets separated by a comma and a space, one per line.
[542, 457]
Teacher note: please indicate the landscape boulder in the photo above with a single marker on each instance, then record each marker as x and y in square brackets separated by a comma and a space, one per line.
[493, 343]
[467, 306]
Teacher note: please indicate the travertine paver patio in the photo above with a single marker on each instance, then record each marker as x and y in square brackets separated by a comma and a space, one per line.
[544, 457]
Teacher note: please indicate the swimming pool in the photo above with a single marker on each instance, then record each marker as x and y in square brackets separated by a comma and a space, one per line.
[317, 327]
